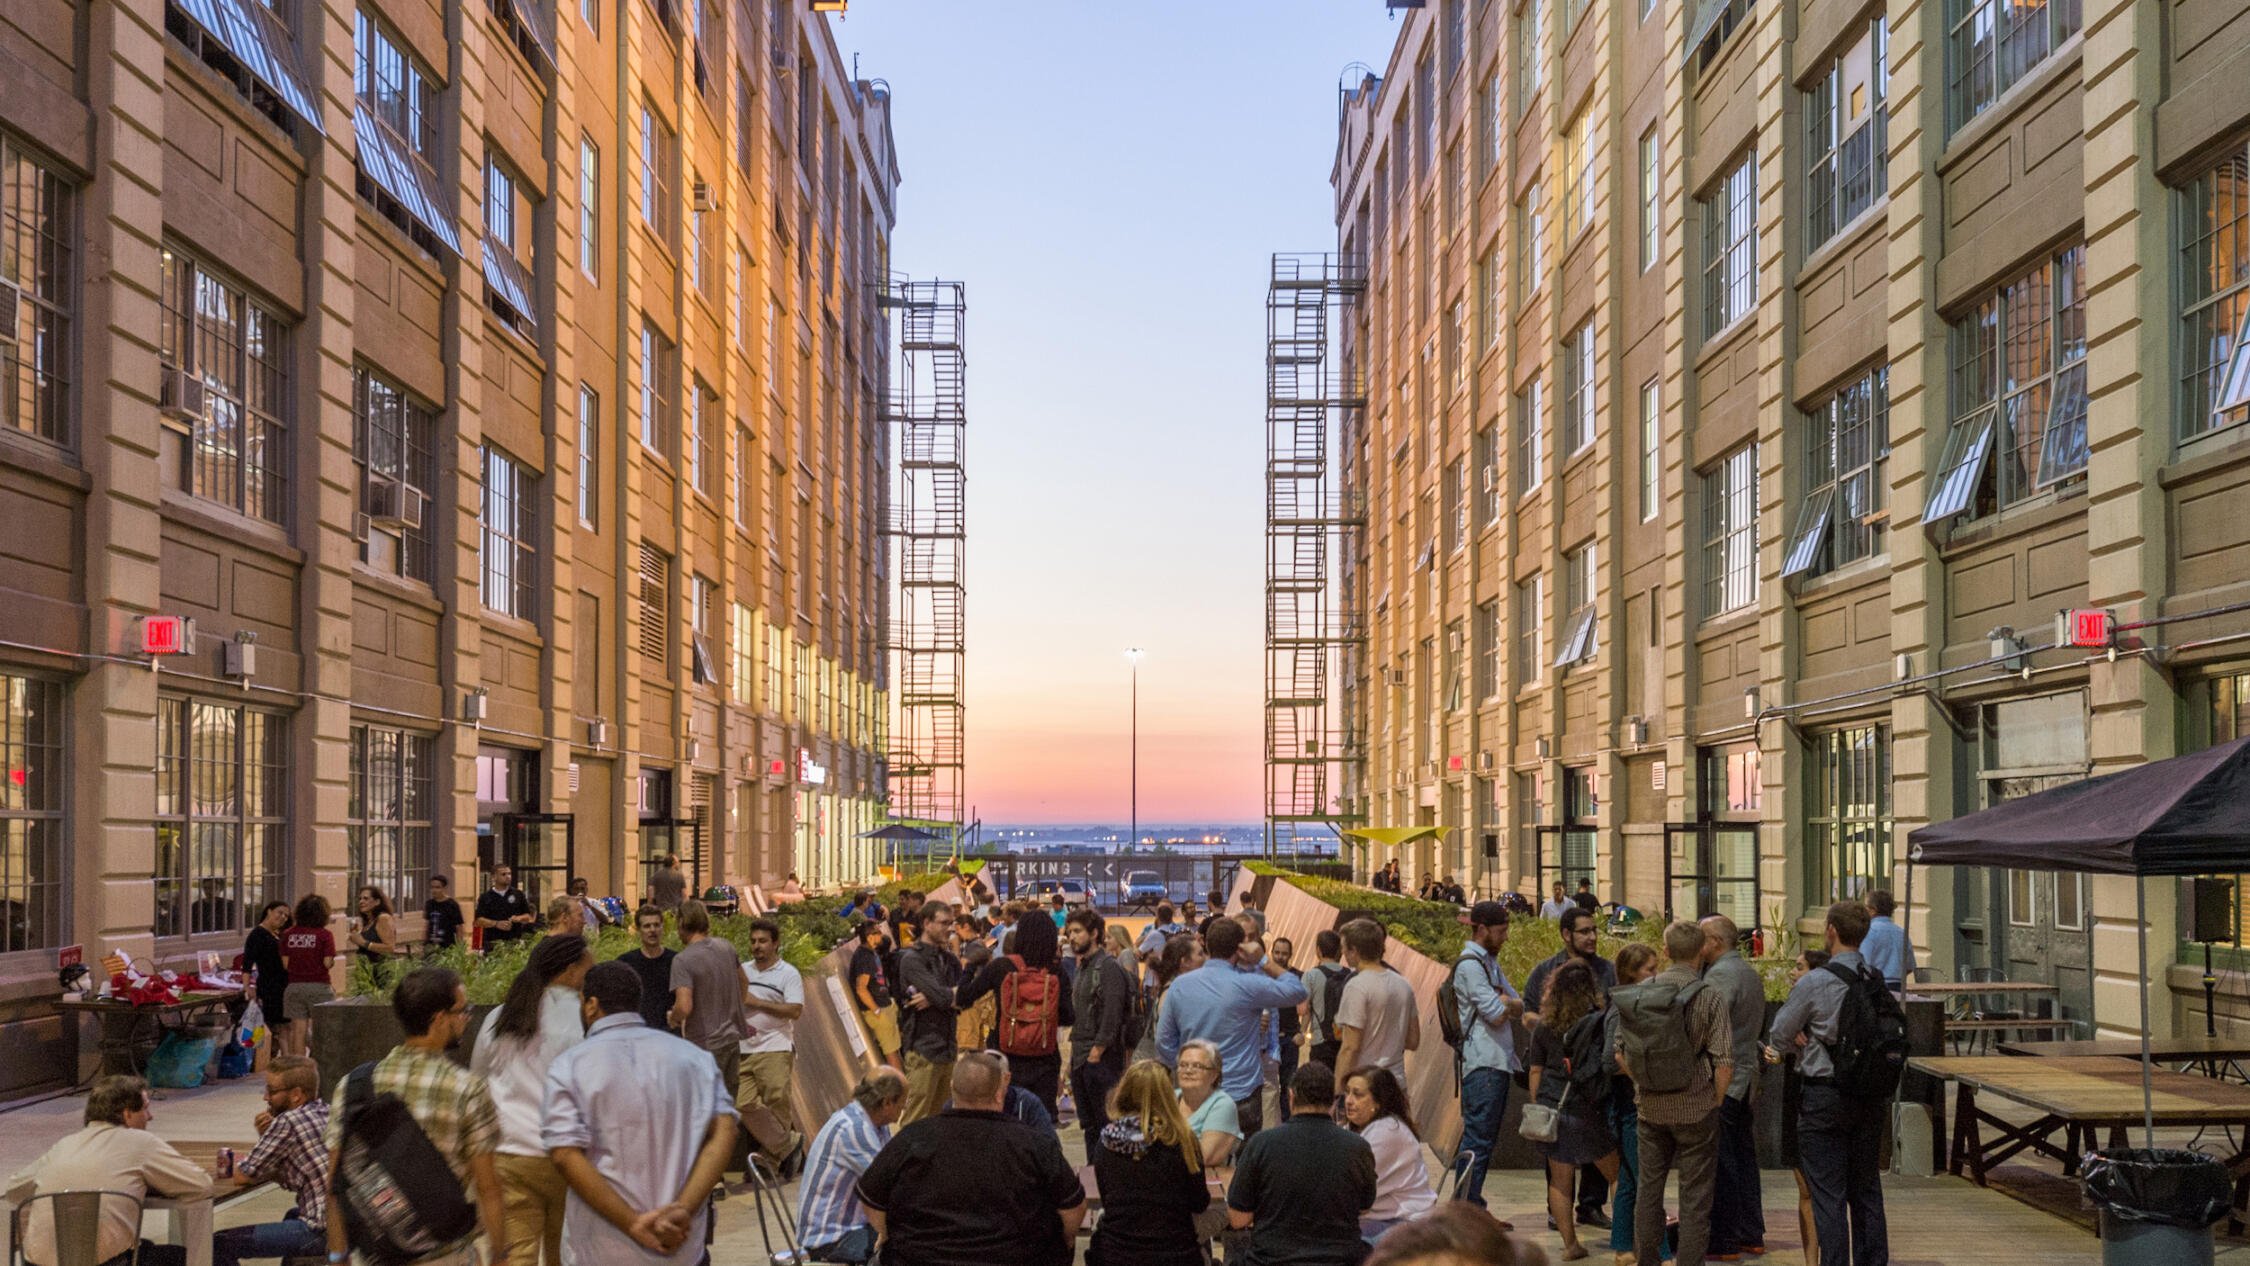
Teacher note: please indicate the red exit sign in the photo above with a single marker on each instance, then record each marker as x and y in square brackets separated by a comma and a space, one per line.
[167, 635]
[2091, 628]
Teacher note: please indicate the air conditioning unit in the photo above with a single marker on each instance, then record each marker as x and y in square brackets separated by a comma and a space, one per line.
[181, 394]
[391, 504]
[1395, 677]
[705, 198]
[1492, 479]
[11, 305]
[1484, 760]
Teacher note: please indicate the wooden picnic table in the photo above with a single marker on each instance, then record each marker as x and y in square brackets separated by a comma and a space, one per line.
[2075, 1095]
[205, 1154]
[2208, 1056]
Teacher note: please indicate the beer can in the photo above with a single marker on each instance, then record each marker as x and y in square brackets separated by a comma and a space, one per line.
[226, 1162]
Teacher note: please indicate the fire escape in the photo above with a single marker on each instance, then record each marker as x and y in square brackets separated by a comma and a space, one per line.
[1316, 637]
[928, 531]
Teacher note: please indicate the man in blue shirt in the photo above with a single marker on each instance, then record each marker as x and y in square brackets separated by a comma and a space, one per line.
[1840, 1135]
[1886, 948]
[1223, 1002]
[1490, 1007]
[830, 1221]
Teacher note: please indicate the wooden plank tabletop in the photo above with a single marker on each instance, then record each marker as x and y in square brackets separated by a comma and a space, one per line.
[1941, 988]
[2093, 1088]
[2170, 1048]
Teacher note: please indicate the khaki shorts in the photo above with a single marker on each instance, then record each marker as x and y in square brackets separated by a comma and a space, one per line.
[883, 1025]
[298, 1000]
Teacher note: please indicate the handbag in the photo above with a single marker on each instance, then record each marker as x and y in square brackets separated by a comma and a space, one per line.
[1541, 1122]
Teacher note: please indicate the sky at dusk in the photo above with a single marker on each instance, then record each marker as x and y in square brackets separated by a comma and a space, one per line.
[1109, 180]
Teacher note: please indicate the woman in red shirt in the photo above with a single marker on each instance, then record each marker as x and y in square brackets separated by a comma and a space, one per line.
[309, 949]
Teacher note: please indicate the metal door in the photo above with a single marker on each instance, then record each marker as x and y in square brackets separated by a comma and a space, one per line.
[1712, 868]
[542, 847]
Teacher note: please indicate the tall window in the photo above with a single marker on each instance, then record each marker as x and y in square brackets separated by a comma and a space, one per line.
[1848, 836]
[743, 484]
[738, 287]
[392, 87]
[744, 646]
[1730, 532]
[390, 828]
[1580, 639]
[1992, 44]
[697, 458]
[34, 834]
[1579, 190]
[656, 607]
[226, 359]
[1490, 645]
[703, 403]
[700, 271]
[2214, 270]
[1456, 505]
[2018, 391]
[1730, 247]
[1425, 117]
[1529, 460]
[394, 124]
[1652, 199]
[1847, 444]
[1531, 239]
[589, 456]
[1488, 299]
[1845, 123]
[1652, 451]
[658, 204]
[659, 386]
[511, 507]
[1578, 390]
[221, 825]
[1531, 645]
[37, 236]
[393, 449]
[1487, 475]
[1531, 52]
[508, 288]
[589, 208]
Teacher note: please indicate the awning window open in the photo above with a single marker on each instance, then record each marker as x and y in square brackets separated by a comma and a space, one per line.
[256, 36]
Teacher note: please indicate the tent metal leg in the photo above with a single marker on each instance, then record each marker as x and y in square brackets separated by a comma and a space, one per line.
[2148, 1077]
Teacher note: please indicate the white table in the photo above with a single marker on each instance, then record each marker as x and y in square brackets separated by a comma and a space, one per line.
[188, 1222]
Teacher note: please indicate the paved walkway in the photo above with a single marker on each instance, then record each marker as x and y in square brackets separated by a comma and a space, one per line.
[1938, 1221]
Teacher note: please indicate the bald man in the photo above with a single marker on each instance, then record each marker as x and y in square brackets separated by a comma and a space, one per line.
[1738, 1216]
[1020, 1202]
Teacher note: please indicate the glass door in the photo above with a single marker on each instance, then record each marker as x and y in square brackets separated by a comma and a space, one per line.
[542, 847]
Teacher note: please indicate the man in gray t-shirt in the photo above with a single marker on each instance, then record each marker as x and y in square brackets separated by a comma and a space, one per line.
[1377, 1022]
[667, 888]
[707, 992]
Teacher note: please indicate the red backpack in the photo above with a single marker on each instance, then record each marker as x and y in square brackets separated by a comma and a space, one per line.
[1030, 1009]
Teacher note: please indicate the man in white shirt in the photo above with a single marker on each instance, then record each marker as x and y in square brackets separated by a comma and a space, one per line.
[115, 1152]
[640, 1125]
[1558, 905]
[773, 997]
[1378, 1021]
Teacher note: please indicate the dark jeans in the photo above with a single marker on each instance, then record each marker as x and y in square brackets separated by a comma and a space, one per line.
[1593, 1192]
[1484, 1100]
[1090, 1084]
[1840, 1143]
[1042, 1076]
[152, 1255]
[290, 1237]
[1738, 1211]
[1288, 1059]
[857, 1247]
[1690, 1149]
[1324, 1053]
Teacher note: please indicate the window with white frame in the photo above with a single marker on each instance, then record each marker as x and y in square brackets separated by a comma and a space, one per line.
[658, 206]
[1488, 299]
[511, 507]
[659, 386]
[222, 775]
[508, 288]
[1456, 505]
[1486, 476]
[2018, 391]
[1531, 239]
[1530, 462]
[1730, 532]
[589, 208]
[1652, 450]
[1531, 52]
[2214, 271]
[1846, 120]
[1581, 640]
[226, 359]
[390, 814]
[1730, 246]
[1490, 645]
[1847, 445]
[394, 456]
[1652, 199]
[589, 456]
[1579, 417]
[1992, 44]
[744, 484]
[744, 645]
[1579, 188]
[38, 244]
[1531, 644]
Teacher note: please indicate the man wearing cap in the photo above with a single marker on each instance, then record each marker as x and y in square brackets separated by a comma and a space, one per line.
[1490, 1008]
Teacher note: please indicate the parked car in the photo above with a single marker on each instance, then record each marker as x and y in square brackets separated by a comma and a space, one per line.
[1143, 887]
[1074, 891]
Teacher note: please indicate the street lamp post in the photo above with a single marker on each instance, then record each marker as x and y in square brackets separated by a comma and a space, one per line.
[1132, 840]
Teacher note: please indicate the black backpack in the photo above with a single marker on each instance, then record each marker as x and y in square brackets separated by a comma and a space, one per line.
[1586, 1046]
[1870, 1046]
[398, 1197]
[1449, 1003]
[1324, 1025]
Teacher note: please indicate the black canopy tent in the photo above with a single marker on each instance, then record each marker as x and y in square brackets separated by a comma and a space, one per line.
[2187, 815]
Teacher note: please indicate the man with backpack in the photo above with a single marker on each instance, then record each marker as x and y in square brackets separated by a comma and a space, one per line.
[1850, 1036]
[1676, 1042]
[1324, 992]
[1485, 1008]
[1102, 1005]
[409, 1134]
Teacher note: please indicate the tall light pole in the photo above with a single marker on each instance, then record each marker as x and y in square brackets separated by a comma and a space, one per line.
[1133, 840]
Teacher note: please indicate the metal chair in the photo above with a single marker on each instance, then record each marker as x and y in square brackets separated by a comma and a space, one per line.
[1456, 1170]
[766, 1190]
[76, 1218]
[1987, 1006]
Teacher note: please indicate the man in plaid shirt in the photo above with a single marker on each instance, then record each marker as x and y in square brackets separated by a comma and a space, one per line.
[293, 1151]
[450, 1103]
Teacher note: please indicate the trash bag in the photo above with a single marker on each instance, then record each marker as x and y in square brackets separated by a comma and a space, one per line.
[236, 1059]
[2162, 1186]
[179, 1061]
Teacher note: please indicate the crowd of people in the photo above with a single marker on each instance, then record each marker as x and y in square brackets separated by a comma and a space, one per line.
[605, 1103]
